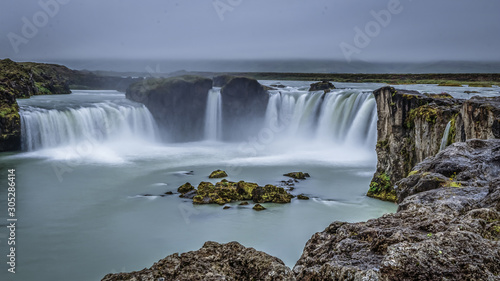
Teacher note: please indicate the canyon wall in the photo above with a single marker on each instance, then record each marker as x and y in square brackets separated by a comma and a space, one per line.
[411, 125]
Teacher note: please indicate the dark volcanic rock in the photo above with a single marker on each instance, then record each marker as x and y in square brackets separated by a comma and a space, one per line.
[258, 207]
[321, 86]
[178, 104]
[244, 104]
[222, 80]
[185, 188]
[451, 232]
[213, 261]
[411, 125]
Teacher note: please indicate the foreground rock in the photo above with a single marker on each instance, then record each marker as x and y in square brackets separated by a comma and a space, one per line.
[411, 125]
[449, 232]
[213, 261]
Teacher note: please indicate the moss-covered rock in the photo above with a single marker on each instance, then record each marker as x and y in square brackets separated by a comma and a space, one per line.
[297, 175]
[218, 174]
[302, 197]
[226, 191]
[271, 193]
[185, 188]
[258, 207]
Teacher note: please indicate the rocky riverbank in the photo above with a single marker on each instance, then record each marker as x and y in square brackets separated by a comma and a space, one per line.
[411, 126]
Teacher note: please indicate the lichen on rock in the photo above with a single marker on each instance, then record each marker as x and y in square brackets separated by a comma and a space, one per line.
[217, 174]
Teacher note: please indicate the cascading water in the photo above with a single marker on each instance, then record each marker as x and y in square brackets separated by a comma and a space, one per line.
[45, 128]
[213, 115]
[342, 116]
[444, 140]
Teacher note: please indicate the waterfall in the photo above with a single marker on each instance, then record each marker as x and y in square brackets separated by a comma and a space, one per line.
[341, 117]
[44, 128]
[213, 115]
[446, 133]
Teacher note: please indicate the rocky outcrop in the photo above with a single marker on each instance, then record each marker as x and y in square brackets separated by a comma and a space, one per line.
[243, 99]
[213, 261]
[178, 104]
[411, 125]
[446, 231]
[321, 86]
[226, 191]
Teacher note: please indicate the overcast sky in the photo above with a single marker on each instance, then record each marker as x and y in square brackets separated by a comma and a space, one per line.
[92, 29]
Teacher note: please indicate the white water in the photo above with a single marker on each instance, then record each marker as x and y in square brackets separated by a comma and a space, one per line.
[46, 128]
[446, 133]
[213, 116]
[339, 117]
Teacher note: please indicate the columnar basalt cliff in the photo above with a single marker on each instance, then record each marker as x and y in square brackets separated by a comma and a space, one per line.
[411, 126]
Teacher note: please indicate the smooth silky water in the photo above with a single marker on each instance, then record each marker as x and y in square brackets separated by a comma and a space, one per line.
[91, 179]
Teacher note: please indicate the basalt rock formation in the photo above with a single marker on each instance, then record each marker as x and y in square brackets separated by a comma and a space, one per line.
[243, 99]
[410, 128]
[213, 261]
[177, 104]
[447, 226]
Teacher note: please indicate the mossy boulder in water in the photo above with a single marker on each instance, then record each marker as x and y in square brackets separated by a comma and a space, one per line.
[298, 175]
[185, 188]
[218, 174]
[302, 197]
[271, 193]
[226, 191]
[258, 207]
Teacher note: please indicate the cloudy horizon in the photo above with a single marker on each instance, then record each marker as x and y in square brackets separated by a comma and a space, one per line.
[375, 31]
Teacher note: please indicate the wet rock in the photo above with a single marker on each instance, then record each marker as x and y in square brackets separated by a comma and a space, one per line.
[271, 193]
[185, 188]
[258, 207]
[446, 226]
[189, 195]
[218, 174]
[297, 175]
[177, 103]
[323, 85]
[169, 193]
[243, 99]
[226, 207]
[213, 261]
[302, 197]
[280, 86]
[244, 203]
